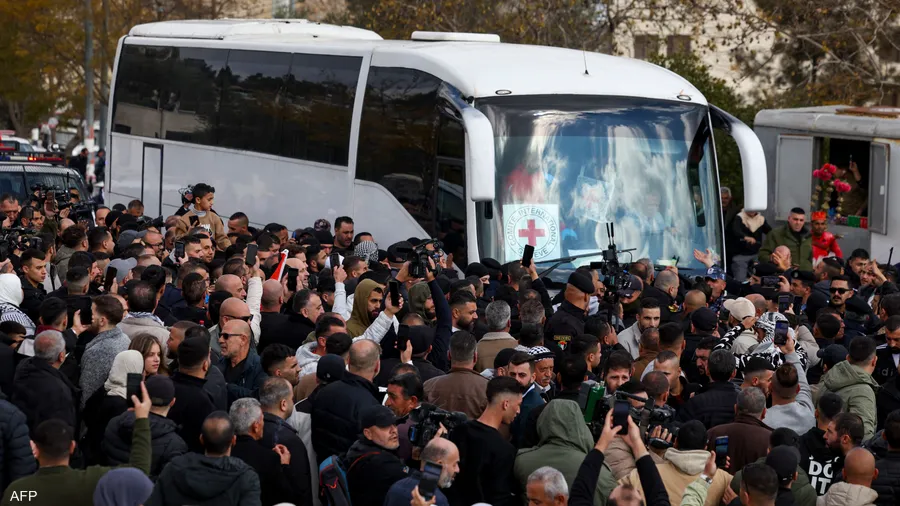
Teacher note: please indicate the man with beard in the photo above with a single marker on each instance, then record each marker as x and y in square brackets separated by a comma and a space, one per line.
[793, 235]
[462, 389]
[438, 451]
[630, 298]
[375, 466]
[888, 354]
[649, 316]
[816, 458]
[464, 311]
[852, 309]
[843, 434]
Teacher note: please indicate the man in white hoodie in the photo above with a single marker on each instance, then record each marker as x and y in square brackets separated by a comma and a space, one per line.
[856, 489]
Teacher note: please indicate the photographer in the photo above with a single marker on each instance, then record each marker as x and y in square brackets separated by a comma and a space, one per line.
[583, 487]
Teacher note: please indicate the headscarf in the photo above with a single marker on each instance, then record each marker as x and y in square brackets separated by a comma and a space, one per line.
[367, 250]
[359, 319]
[418, 294]
[125, 486]
[767, 322]
[128, 361]
[11, 290]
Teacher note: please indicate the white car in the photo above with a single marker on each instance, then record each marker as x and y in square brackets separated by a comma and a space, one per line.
[17, 143]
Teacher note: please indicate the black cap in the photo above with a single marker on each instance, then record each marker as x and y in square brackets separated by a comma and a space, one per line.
[582, 283]
[477, 269]
[112, 217]
[161, 389]
[806, 276]
[704, 319]
[784, 460]
[765, 269]
[324, 237]
[330, 368]
[421, 337]
[503, 357]
[833, 262]
[377, 416]
[398, 252]
[759, 363]
[634, 285]
[382, 255]
[491, 264]
[193, 351]
[832, 354]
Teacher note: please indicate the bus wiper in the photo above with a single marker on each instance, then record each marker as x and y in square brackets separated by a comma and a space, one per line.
[559, 261]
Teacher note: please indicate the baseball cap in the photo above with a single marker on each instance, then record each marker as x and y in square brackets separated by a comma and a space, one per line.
[704, 319]
[784, 460]
[330, 368]
[324, 237]
[805, 276]
[322, 224]
[740, 308]
[160, 389]
[715, 272]
[832, 354]
[377, 416]
[634, 285]
[583, 283]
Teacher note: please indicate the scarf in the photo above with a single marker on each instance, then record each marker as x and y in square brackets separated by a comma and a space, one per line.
[140, 314]
[752, 222]
[129, 361]
[367, 250]
[359, 319]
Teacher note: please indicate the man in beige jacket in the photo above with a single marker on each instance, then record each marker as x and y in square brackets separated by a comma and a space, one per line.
[499, 321]
[683, 464]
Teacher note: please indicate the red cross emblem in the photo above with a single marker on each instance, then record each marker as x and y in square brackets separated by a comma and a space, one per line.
[532, 233]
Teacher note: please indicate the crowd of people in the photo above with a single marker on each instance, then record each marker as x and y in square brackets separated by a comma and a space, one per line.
[199, 360]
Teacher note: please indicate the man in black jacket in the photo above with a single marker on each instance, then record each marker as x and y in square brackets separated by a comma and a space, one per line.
[34, 271]
[273, 465]
[715, 405]
[276, 397]
[372, 467]
[16, 460]
[42, 391]
[336, 408]
[165, 441]
[816, 458]
[887, 484]
[568, 321]
[211, 477]
[192, 403]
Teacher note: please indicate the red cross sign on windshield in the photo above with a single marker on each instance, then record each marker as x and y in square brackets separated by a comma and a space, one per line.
[532, 233]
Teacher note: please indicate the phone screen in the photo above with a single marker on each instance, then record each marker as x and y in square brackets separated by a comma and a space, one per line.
[402, 337]
[724, 315]
[784, 303]
[395, 293]
[179, 250]
[721, 451]
[251, 254]
[335, 261]
[527, 255]
[111, 273]
[194, 221]
[427, 486]
[133, 386]
[292, 274]
[781, 333]
[621, 412]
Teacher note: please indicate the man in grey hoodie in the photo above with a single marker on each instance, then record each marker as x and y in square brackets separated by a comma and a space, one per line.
[102, 350]
[792, 405]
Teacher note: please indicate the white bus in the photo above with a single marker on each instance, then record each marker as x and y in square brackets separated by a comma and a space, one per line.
[488, 146]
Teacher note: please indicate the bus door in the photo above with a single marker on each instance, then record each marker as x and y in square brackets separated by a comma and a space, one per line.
[151, 179]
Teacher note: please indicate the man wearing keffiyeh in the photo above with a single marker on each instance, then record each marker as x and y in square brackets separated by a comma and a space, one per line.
[766, 347]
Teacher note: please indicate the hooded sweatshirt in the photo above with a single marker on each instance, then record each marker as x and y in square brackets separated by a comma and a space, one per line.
[563, 446]
[97, 361]
[11, 297]
[418, 294]
[206, 481]
[857, 389]
[846, 494]
[679, 470]
[360, 319]
[125, 363]
[307, 360]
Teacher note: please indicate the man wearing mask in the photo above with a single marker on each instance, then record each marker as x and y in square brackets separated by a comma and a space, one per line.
[795, 236]
[568, 321]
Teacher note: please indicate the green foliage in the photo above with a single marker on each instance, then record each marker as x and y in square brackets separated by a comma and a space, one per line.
[718, 93]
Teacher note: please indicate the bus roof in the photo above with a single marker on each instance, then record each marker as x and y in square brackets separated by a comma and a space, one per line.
[477, 69]
[837, 120]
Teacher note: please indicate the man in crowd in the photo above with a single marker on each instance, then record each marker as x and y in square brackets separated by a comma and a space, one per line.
[462, 389]
[649, 316]
[852, 380]
[715, 406]
[747, 436]
[795, 236]
[438, 451]
[858, 473]
[373, 464]
[499, 321]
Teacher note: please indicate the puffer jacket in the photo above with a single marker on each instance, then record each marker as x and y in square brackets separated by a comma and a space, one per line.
[887, 485]
[206, 481]
[563, 446]
[714, 406]
[845, 494]
[857, 388]
[16, 460]
[336, 414]
[165, 441]
[679, 470]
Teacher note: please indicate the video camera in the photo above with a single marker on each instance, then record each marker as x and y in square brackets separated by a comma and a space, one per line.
[595, 405]
[18, 238]
[419, 255]
[616, 277]
[145, 222]
[81, 210]
[428, 419]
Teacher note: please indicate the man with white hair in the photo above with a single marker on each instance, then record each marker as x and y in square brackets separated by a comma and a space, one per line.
[547, 487]
[272, 465]
[42, 391]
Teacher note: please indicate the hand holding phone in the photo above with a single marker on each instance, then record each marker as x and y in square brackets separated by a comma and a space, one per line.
[781, 334]
[402, 337]
[133, 387]
[527, 256]
[292, 274]
[179, 250]
[250, 258]
[784, 302]
[111, 273]
[335, 261]
[621, 412]
[394, 288]
[721, 451]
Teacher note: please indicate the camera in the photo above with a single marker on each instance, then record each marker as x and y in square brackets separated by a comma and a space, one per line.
[595, 405]
[427, 420]
[418, 259]
[144, 222]
[12, 239]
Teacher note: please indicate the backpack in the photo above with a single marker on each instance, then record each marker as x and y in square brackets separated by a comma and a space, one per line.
[333, 489]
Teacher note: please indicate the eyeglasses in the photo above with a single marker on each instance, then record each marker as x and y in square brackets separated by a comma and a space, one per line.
[244, 318]
[840, 291]
[227, 336]
[155, 246]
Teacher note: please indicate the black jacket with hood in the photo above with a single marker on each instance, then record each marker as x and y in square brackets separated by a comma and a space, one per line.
[206, 481]
[166, 442]
[371, 471]
[16, 460]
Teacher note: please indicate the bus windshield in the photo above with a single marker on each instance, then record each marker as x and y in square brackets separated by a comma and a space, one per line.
[567, 166]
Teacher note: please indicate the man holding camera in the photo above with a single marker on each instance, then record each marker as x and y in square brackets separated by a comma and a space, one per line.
[439, 452]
